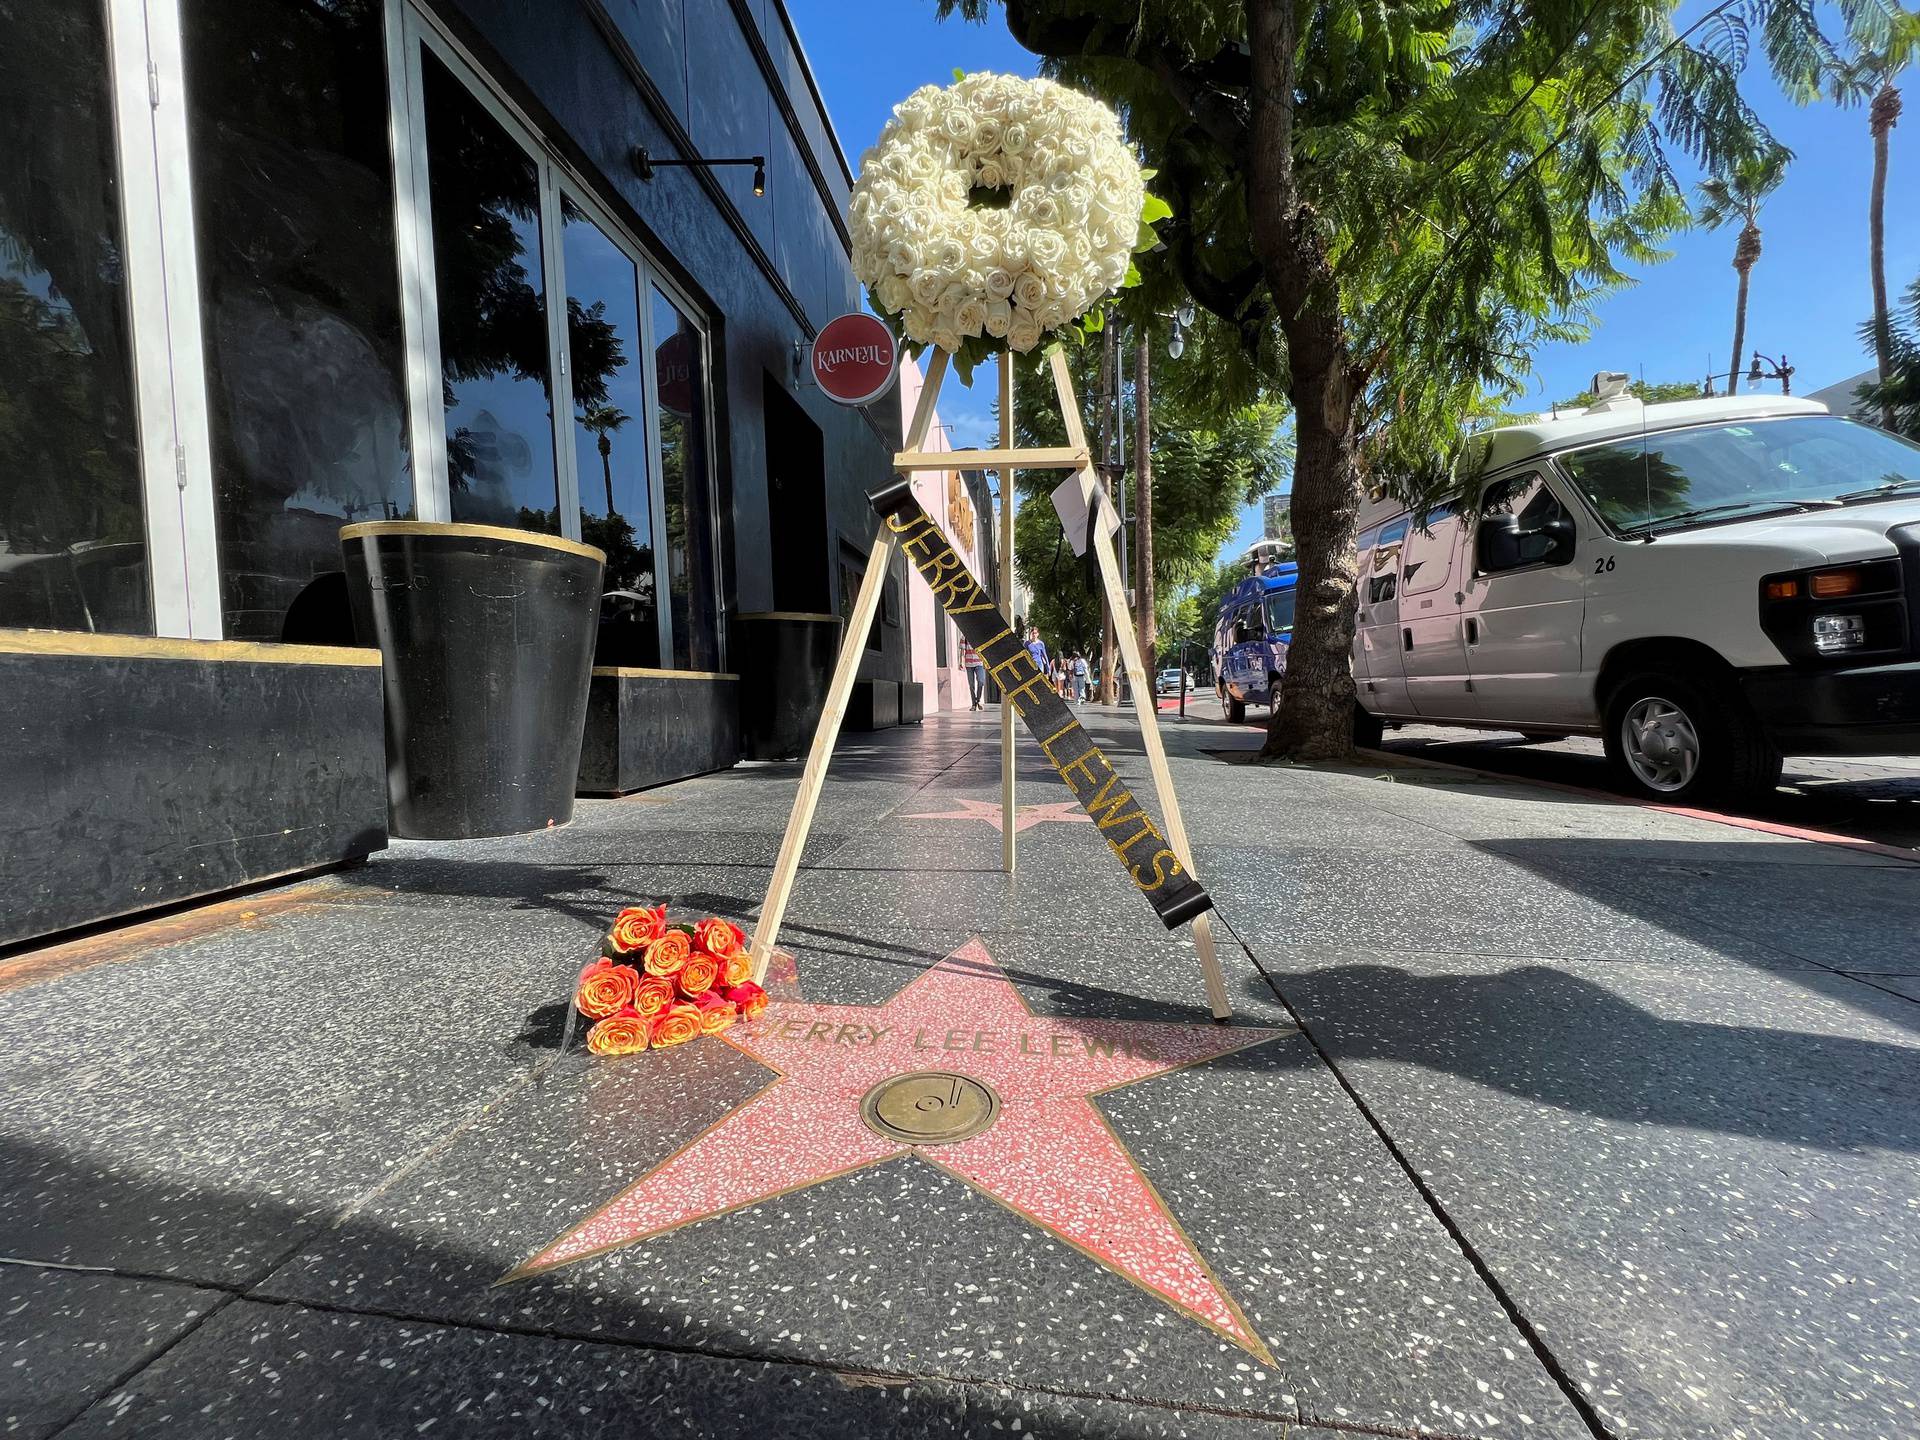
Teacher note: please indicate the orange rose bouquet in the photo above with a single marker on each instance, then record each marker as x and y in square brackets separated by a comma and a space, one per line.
[656, 985]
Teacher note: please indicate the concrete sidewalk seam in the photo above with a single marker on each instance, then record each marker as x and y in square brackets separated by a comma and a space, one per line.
[1534, 1341]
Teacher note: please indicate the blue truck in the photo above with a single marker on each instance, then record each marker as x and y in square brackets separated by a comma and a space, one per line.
[1251, 637]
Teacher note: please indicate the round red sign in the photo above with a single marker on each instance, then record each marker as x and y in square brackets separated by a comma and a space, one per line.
[854, 359]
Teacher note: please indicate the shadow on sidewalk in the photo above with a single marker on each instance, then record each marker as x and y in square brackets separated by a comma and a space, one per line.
[1549, 1036]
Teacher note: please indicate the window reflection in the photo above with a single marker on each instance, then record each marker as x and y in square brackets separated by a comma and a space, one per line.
[680, 374]
[73, 551]
[493, 316]
[293, 200]
[610, 434]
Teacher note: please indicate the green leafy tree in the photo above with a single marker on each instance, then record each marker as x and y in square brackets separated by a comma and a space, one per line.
[1207, 462]
[1882, 42]
[1389, 206]
[1896, 394]
[1738, 195]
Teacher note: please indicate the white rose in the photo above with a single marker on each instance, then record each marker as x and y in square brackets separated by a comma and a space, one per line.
[999, 284]
[946, 339]
[918, 324]
[1029, 291]
[1051, 315]
[903, 257]
[957, 123]
[926, 286]
[946, 253]
[999, 318]
[1044, 210]
[893, 293]
[1015, 139]
[1023, 334]
[987, 131]
[992, 175]
[1046, 248]
[971, 317]
[983, 251]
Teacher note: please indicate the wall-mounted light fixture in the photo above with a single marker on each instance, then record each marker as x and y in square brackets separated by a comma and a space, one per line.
[644, 165]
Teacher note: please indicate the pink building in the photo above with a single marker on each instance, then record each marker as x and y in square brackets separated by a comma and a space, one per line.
[957, 501]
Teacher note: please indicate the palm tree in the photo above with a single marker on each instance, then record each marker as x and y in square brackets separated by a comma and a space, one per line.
[1883, 45]
[601, 420]
[1738, 195]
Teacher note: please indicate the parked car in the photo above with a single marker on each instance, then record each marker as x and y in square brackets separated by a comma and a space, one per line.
[1170, 681]
[1706, 585]
[1251, 635]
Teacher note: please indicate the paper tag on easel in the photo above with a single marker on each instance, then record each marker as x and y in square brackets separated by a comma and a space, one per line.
[1069, 505]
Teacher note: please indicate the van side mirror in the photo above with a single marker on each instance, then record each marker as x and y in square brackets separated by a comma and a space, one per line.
[1504, 545]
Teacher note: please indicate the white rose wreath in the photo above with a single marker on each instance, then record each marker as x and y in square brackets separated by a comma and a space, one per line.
[996, 211]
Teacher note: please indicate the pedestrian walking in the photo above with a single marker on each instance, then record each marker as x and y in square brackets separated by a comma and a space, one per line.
[1037, 648]
[976, 669]
[1080, 677]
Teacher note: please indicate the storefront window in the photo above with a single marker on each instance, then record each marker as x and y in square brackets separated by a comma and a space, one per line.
[293, 194]
[73, 551]
[494, 346]
[680, 367]
[605, 348]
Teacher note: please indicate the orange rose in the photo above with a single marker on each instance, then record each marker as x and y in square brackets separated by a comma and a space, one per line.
[696, 977]
[604, 987]
[666, 955]
[635, 928]
[653, 994]
[716, 937]
[675, 1025]
[737, 969]
[716, 1013]
[750, 998]
[625, 1032]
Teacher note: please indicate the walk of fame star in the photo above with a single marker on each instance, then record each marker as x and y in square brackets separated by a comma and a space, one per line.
[1046, 1152]
[1064, 812]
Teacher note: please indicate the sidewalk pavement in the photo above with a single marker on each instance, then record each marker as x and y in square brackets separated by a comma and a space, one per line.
[1540, 1116]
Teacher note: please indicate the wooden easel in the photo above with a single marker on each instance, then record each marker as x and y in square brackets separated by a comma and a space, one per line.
[1007, 458]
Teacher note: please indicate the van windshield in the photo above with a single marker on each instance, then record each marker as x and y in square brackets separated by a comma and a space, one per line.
[1748, 467]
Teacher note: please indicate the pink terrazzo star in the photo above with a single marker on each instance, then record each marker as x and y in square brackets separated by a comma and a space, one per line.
[1063, 812]
[1049, 1155]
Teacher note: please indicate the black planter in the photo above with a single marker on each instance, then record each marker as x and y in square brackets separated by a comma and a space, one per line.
[785, 662]
[486, 639]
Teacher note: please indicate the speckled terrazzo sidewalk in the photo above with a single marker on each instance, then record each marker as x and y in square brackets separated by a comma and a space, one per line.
[1541, 1116]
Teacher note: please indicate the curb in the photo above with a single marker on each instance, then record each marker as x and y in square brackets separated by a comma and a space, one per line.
[1716, 817]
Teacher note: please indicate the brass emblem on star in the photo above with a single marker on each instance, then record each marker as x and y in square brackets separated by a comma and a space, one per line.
[930, 1107]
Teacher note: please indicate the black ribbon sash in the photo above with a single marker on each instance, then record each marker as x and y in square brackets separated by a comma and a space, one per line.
[1124, 823]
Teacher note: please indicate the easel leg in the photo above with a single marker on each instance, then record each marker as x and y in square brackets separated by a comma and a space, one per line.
[1143, 701]
[839, 691]
[1009, 811]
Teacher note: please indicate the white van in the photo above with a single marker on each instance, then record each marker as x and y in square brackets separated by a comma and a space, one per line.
[1705, 585]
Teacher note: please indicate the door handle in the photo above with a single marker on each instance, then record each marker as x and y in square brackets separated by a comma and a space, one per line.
[1406, 639]
[1473, 631]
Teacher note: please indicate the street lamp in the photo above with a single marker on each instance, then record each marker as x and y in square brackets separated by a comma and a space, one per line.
[1781, 371]
[644, 165]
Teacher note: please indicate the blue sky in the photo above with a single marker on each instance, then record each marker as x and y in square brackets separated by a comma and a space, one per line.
[1810, 290]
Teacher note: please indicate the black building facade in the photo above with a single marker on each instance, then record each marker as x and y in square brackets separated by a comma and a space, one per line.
[272, 267]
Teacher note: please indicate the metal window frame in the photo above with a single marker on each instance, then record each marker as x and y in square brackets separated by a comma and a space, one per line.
[410, 27]
[148, 86]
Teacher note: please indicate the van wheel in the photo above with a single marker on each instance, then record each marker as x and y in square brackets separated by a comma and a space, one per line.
[1368, 729]
[1273, 692]
[1672, 737]
[1236, 711]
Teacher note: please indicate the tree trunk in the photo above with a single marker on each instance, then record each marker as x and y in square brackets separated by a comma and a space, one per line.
[1109, 443]
[1143, 505]
[1881, 119]
[1314, 719]
[1739, 332]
